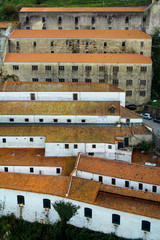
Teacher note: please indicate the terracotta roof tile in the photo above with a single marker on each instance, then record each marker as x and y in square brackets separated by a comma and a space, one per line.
[141, 158]
[68, 134]
[35, 157]
[117, 169]
[140, 129]
[126, 113]
[58, 108]
[80, 34]
[83, 9]
[6, 24]
[57, 87]
[76, 58]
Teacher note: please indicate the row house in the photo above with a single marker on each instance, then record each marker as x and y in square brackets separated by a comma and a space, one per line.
[82, 18]
[82, 41]
[131, 72]
[127, 213]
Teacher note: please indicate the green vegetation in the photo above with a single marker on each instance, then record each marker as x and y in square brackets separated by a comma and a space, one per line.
[146, 146]
[15, 5]
[18, 229]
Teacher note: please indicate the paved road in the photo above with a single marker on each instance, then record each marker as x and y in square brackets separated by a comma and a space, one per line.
[153, 124]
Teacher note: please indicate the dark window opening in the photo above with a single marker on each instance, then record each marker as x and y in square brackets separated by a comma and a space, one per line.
[34, 67]
[26, 119]
[61, 68]
[146, 226]
[83, 120]
[20, 200]
[88, 80]
[87, 44]
[128, 93]
[70, 44]
[34, 79]
[55, 120]
[11, 119]
[75, 96]
[105, 44]
[34, 44]
[32, 96]
[115, 82]
[88, 68]
[88, 212]
[112, 110]
[48, 68]
[41, 120]
[142, 82]
[69, 120]
[4, 140]
[113, 181]
[100, 179]
[127, 184]
[140, 186]
[58, 170]
[76, 20]
[27, 19]
[123, 44]
[66, 146]
[142, 93]
[115, 69]
[74, 79]
[48, 80]
[61, 80]
[91, 154]
[129, 83]
[74, 68]
[102, 68]
[154, 189]
[52, 44]
[59, 20]
[93, 20]
[15, 67]
[101, 80]
[93, 146]
[43, 19]
[75, 146]
[129, 69]
[143, 69]
[46, 203]
[127, 19]
[116, 219]
[31, 139]
[31, 170]
[17, 43]
[109, 146]
[6, 169]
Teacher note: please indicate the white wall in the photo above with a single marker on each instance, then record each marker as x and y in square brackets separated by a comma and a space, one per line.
[130, 224]
[37, 170]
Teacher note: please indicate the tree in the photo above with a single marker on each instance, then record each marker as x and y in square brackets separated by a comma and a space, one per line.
[9, 9]
[146, 146]
[66, 211]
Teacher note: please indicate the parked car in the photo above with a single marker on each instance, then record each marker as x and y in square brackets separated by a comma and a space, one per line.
[131, 107]
[146, 116]
[157, 120]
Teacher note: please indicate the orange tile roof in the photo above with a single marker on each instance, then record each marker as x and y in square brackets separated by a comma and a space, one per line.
[138, 129]
[76, 58]
[35, 157]
[51, 185]
[126, 113]
[6, 24]
[83, 9]
[141, 158]
[69, 134]
[58, 108]
[117, 169]
[81, 34]
[57, 87]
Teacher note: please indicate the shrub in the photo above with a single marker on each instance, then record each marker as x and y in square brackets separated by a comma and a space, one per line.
[9, 9]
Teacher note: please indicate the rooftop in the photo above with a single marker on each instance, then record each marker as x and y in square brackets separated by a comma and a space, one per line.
[83, 9]
[57, 87]
[126, 113]
[76, 58]
[80, 34]
[35, 157]
[6, 24]
[141, 158]
[59, 108]
[117, 169]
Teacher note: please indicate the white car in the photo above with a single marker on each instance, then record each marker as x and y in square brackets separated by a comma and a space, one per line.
[146, 116]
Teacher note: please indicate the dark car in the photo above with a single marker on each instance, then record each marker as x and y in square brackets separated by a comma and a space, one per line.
[157, 120]
[131, 107]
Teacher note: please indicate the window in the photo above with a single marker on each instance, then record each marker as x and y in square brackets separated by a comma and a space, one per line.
[55, 120]
[76, 27]
[127, 120]
[110, 28]
[68, 120]
[28, 28]
[109, 146]
[34, 67]
[143, 69]
[60, 28]
[112, 110]
[127, 19]
[100, 179]
[142, 82]
[115, 82]
[76, 20]
[146, 226]
[88, 212]
[61, 68]
[93, 146]
[58, 170]
[61, 80]
[75, 96]
[70, 44]
[129, 69]
[91, 154]
[127, 184]
[31, 139]
[34, 79]
[41, 120]
[52, 43]
[32, 95]
[113, 181]
[74, 79]
[17, 43]
[31, 170]
[88, 80]
[11, 119]
[105, 44]
[20, 200]
[142, 44]
[46, 204]
[74, 68]
[26, 119]
[93, 20]
[43, 19]
[93, 28]
[116, 69]
[141, 53]
[101, 68]
[140, 186]
[88, 68]
[110, 19]
[27, 19]
[116, 219]
[101, 80]
[66, 146]
[129, 82]
[126, 28]
[75, 146]
[34, 44]
[15, 67]
[59, 20]
[87, 44]
[6, 169]
[48, 68]
[48, 80]
[4, 140]
[43, 27]
[123, 44]
[154, 189]
[83, 120]
[142, 93]
[128, 93]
